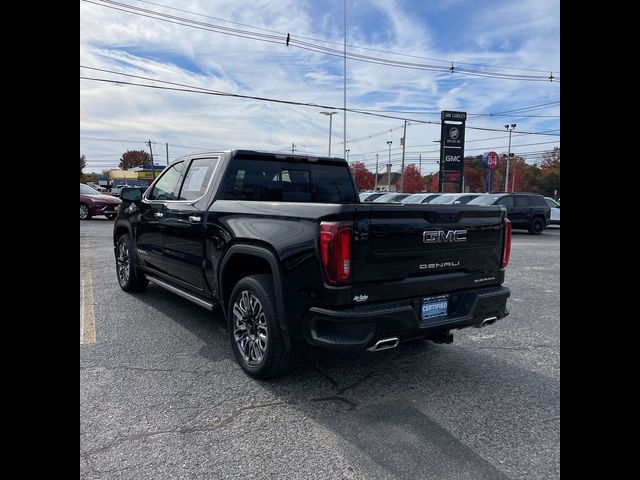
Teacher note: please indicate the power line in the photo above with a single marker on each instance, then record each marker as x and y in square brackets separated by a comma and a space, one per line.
[281, 34]
[190, 89]
[278, 39]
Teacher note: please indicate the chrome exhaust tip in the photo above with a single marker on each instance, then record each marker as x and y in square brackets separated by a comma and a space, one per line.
[384, 344]
[488, 321]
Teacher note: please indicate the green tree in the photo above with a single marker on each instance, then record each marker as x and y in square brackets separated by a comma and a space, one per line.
[134, 158]
[83, 163]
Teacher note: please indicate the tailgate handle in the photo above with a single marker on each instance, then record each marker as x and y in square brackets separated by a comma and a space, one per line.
[195, 218]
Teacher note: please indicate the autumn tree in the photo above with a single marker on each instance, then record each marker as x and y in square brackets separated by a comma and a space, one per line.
[365, 179]
[83, 163]
[134, 158]
[412, 180]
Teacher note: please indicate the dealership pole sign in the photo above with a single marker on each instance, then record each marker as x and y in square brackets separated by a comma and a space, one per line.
[452, 147]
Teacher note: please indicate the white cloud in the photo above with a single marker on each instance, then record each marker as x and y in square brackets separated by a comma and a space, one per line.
[140, 46]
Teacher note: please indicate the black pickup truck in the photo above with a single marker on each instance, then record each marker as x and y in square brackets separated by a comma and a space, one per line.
[284, 246]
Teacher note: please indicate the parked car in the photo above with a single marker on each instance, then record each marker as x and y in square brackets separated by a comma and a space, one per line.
[93, 203]
[115, 189]
[282, 244]
[370, 196]
[391, 197]
[421, 197]
[97, 187]
[525, 210]
[555, 210]
[454, 198]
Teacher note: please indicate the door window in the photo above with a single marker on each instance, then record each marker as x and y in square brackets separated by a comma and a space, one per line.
[166, 186]
[197, 179]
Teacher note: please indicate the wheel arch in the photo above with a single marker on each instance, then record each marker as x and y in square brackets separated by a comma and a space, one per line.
[235, 265]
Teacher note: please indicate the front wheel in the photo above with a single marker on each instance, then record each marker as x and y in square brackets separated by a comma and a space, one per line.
[85, 213]
[537, 226]
[256, 338]
[129, 278]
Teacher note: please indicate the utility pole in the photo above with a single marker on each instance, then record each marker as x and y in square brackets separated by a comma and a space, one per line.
[167, 145]
[375, 189]
[420, 165]
[293, 147]
[344, 147]
[404, 142]
[506, 177]
[389, 168]
[153, 167]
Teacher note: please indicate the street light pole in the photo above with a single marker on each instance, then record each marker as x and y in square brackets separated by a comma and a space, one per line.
[330, 121]
[348, 155]
[506, 179]
[389, 168]
[375, 188]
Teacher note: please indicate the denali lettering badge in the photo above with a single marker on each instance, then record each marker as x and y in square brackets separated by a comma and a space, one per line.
[360, 298]
[426, 266]
[437, 236]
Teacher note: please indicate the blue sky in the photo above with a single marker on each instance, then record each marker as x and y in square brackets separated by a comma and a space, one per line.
[493, 37]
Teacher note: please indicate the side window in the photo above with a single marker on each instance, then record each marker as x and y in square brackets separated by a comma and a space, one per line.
[166, 186]
[506, 201]
[539, 201]
[523, 201]
[197, 179]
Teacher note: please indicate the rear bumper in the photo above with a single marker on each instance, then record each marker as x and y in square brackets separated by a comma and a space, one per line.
[360, 327]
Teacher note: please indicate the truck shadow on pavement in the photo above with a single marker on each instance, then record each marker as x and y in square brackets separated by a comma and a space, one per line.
[421, 410]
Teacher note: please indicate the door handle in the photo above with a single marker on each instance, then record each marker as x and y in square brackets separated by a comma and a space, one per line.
[158, 214]
[195, 218]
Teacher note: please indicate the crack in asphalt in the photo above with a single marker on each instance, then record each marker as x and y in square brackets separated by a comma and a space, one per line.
[520, 348]
[142, 369]
[337, 397]
[182, 430]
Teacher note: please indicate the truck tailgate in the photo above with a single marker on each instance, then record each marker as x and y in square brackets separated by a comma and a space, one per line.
[402, 250]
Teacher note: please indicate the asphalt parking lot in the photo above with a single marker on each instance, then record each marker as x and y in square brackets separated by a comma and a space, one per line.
[162, 397]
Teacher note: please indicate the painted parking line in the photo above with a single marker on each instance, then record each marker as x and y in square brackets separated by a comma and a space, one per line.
[87, 317]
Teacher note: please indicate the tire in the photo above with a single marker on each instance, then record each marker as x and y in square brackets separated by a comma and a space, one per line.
[254, 330]
[129, 277]
[537, 226]
[85, 213]
[111, 216]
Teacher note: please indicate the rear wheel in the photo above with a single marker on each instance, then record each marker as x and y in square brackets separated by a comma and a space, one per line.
[537, 226]
[85, 213]
[256, 338]
[129, 277]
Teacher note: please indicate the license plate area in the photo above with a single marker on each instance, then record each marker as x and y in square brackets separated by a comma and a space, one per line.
[434, 307]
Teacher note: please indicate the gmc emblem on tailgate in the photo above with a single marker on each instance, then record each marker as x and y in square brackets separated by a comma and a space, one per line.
[436, 236]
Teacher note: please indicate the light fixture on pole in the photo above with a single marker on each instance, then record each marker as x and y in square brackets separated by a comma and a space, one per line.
[506, 177]
[389, 168]
[330, 120]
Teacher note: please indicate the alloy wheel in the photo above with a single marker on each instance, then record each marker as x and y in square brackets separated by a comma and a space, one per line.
[250, 328]
[123, 263]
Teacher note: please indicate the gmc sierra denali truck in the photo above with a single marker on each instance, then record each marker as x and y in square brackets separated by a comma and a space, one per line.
[284, 246]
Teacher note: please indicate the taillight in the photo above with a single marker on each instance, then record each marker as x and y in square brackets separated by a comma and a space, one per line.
[506, 244]
[335, 248]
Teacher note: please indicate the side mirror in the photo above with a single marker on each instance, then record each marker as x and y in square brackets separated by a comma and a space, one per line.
[132, 195]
